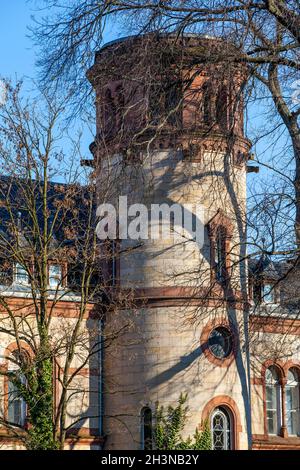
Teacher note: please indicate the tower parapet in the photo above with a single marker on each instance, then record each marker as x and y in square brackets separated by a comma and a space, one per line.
[161, 90]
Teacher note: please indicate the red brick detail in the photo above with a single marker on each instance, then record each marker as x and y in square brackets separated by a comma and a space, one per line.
[64, 309]
[218, 322]
[275, 325]
[156, 297]
[265, 442]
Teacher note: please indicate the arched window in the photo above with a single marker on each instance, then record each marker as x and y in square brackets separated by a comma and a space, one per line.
[221, 429]
[16, 406]
[120, 108]
[109, 114]
[207, 104]
[173, 102]
[220, 254]
[273, 400]
[222, 108]
[147, 438]
[292, 402]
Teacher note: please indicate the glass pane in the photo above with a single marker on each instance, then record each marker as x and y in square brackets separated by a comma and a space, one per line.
[55, 275]
[292, 377]
[220, 256]
[272, 421]
[272, 376]
[271, 397]
[221, 432]
[147, 429]
[268, 293]
[220, 342]
[218, 422]
[16, 406]
[219, 443]
[21, 276]
[292, 409]
[273, 408]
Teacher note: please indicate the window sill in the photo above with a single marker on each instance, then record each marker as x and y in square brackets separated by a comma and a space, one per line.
[272, 442]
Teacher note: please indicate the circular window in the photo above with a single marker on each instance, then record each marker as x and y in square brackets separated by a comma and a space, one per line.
[220, 342]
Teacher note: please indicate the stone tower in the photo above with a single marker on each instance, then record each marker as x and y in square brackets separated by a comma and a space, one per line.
[170, 131]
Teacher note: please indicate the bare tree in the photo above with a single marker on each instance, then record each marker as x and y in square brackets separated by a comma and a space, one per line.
[53, 293]
[265, 34]
[259, 37]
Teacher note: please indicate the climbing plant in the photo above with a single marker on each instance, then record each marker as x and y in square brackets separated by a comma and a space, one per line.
[169, 426]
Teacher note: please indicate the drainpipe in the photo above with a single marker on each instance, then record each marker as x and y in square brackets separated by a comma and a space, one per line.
[100, 377]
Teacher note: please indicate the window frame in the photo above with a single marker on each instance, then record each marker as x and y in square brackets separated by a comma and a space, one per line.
[143, 426]
[220, 329]
[61, 281]
[21, 403]
[220, 255]
[227, 433]
[271, 291]
[222, 108]
[277, 411]
[15, 274]
[295, 386]
[12, 367]
[222, 224]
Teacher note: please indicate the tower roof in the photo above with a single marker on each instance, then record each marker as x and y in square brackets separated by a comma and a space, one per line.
[161, 35]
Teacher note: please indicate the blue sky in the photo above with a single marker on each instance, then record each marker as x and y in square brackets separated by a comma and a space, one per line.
[17, 54]
[17, 60]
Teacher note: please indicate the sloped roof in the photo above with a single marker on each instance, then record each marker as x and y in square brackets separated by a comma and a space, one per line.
[265, 267]
[16, 212]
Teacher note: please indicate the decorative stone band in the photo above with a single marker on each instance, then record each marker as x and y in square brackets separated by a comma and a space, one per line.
[265, 442]
[192, 145]
[155, 297]
[61, 308]
[279, 325]
[76, 437]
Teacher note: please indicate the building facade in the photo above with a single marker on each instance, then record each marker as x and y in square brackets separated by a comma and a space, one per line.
[73, 322]
[170, 131]
[184, 310]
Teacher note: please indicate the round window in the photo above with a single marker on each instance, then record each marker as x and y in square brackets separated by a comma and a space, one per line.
[220, 342]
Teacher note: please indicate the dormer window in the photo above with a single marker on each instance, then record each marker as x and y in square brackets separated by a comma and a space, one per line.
[55, 275]
[264, 293]
[268, 293]
[21, 275]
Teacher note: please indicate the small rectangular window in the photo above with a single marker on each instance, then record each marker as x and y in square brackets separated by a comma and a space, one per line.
[21, 274]
[55, 275]
[220, 256]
